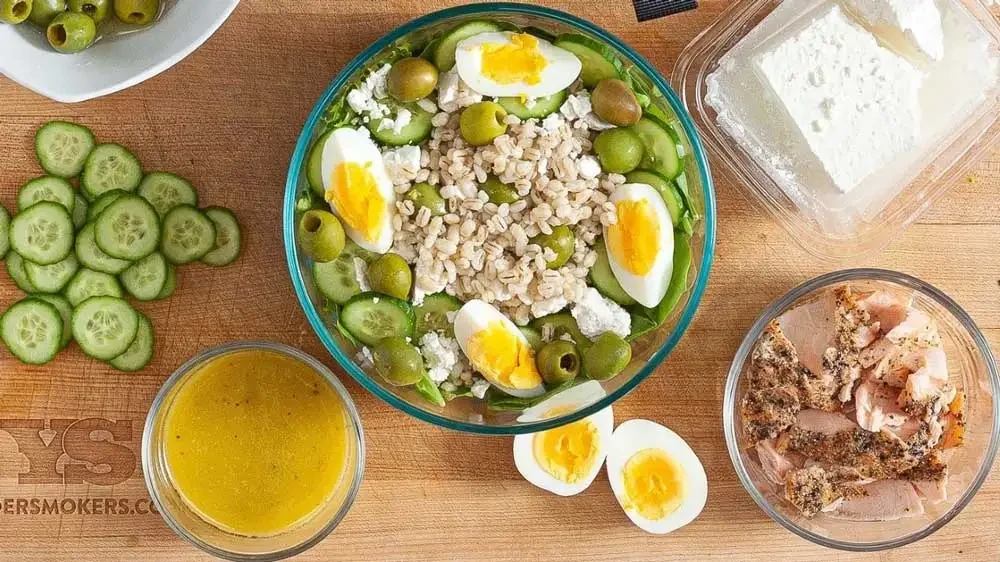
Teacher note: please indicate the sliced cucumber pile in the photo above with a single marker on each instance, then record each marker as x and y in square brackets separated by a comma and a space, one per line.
[599, 61]
[415, 132]
[74, 252]
[372, 317]
[539, 108]
[432, 315]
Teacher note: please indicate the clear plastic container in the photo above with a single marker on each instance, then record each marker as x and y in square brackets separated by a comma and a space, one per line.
[829, 226]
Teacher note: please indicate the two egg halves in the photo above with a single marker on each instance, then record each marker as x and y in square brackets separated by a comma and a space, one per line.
[358, 188]
[498, 350]
[641, 243]
[505, 63]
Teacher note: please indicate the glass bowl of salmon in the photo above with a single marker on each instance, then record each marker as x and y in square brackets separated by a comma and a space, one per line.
[861, 410]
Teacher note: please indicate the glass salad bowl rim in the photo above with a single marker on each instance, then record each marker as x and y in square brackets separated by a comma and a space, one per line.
[730, 407]
[301, 151]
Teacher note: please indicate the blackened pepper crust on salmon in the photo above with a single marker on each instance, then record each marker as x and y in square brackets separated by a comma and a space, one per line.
[877, 455]
[814, 489]
[855, 330]
[767, 412]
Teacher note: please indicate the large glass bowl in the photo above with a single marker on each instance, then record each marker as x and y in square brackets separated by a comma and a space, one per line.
[972, 369]
[649, 352]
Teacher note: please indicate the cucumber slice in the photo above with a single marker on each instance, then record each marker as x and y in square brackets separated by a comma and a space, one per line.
[447, 44]
[46, 188]
[164, 191]
[540, 108]
[540, 33]
[432, 315]
[92, 257]
[678, 281]
[372, 317]
[603, 278]
[415, 132]
[15, 268]
[62, 148]
[534, 338]
[555, 325]
[314, 173]
[32, 331]
[170, 285]
[103, 202]
[80, 208]
[188, 235]
[599, 61]
[65, 312]
[104, 327]
[337, 280]
[42, 234]
[661, 149]
[140, 352]
[228, 238]
[128, 229]
[110, 166]
[145, 278]
[666, 189]
[88, 283]
[52, 278]
[4, 232]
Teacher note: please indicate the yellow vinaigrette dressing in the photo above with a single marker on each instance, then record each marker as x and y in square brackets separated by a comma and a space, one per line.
[256, 442]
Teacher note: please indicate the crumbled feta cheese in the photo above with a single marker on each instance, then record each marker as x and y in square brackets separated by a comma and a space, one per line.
[401, 163]
[552, 122]
[441, 356]
[548, 306]
[364, 99]
[448, 88]
[361, 274]
[479, 388]
[588, 167]
[365, 358]
[418, 296]
[577, 107]
[596, 314]
[427, 105]
[856, 102]
[914, 23]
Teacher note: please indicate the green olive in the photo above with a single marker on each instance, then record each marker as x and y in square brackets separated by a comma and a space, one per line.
[619, 150]
[499, 192]
[424, 194]
[70, 32]
[558, 362]
[398, 361]
[607, 357]
[616, 103]
[137, 12]
[321, 235]
[98, 10]
[482, 122]
[14, 11]
[412, 79]
[391, 275]
[43, 11]
[562, 241]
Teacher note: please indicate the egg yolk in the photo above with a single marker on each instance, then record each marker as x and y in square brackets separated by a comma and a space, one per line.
[567, 453]
[503, 358]
[634, 240]
[516, 62]
[355, 196]
[654, 484]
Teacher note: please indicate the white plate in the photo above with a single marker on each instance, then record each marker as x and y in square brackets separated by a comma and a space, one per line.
[110, 65]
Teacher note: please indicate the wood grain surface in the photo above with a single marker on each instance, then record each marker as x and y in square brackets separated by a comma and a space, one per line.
[228, 117]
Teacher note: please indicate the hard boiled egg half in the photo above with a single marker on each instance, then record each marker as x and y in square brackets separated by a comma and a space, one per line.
[498, 350]
[358, 188]
[656, 477]
[505, 63]
[565, 460]
[641, 244]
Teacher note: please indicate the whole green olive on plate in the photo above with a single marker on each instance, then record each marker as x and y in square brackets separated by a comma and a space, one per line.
[137, 12]
[616, 103]
[14, 11]
[499, 192]
[70, 32]
[607, 357]
[426, 195]
[482, 122]
[412, 79]
[321, 235]
[398, 361]
[619, 150]
[43, 11]
[562, 241]
[558, 362]
[98, 10]
[391, 275]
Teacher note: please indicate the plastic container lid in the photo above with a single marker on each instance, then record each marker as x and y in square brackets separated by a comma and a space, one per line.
[826, 223]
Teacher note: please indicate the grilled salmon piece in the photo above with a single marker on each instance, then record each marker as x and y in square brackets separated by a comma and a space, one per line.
[883, 500]
[774, 464]
[814, 489]
[876, 406]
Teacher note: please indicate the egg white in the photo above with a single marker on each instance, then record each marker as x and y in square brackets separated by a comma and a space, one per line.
[648, 289]
[574, 398]
[636, 435]
[477, 315]
[561, 70]
[351, 145]
[527, 464]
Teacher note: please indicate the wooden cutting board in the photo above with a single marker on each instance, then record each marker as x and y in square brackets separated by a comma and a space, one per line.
[228, 118]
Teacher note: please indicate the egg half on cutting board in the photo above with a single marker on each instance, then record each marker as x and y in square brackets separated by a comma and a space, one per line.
[498, 350]
[641, 243]
[565, 460]
[358, 188]
[504, 63]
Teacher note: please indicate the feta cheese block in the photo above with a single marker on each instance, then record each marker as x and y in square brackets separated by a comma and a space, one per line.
[855, 102]
[905, 24]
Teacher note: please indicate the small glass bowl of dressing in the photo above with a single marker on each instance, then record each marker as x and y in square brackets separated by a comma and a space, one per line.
[253, 451]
